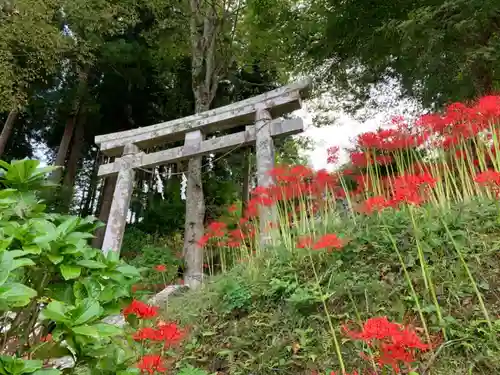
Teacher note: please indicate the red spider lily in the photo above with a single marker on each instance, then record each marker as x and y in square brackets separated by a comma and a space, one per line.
[395, 343]
[305, 242]
[403, 137]
[372, 204]
[333, 155]
[171, 333]
[151, 364]
[236, 234]
[411, 188]
[160, 268]
[168, 333]
[488, 178]
[324, 180]
[206, 266]
[360, 159]
[329, 242]
[460, 122]
[141, 310]
[202, 242]
[232, 209]
[216, 228]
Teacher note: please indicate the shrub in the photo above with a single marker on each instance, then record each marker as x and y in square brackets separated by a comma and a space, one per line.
[151, 257]
[55, 289]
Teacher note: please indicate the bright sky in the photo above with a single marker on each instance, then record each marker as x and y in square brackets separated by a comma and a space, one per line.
[344, 129]
[341, 133]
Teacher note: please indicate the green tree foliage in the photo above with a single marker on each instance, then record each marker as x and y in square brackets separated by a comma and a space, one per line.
[440, 51]
[31, 45]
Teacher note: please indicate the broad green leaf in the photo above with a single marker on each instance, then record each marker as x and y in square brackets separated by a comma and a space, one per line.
[29, 366]
[67, 226]
[85, 330]
[70, 271]
[5, 243]
[6, 261]
[70, 249]
[88, 263]
[56, 311]
[23, 262]
[86, 311]
[18, 253]
[16, 295]
[55, 258]
[112, 292]
[92, 287]
[108, 329]
[129, 271]
[47, 230]
[130, 371]
[76, 236]
[32, 249]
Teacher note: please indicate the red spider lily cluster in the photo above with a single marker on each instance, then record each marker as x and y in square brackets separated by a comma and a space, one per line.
[151, 364]
[394, 344]
[167, 333]
[489, 179]
[328, 242]
[292, 183]
[141, 310]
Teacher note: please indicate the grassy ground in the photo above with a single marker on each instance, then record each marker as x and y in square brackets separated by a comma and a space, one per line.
[267, 316]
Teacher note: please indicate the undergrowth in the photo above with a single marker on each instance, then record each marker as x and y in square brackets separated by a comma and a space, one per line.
[267, 316]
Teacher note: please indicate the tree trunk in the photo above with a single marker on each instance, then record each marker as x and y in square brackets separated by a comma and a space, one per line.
[204, 25]
[88, 203]
[245, 188]
[72, 165]
[7, 129]
[62, 151]
[105, 207]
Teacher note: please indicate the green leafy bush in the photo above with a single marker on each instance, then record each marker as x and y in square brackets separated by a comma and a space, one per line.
[50, 273]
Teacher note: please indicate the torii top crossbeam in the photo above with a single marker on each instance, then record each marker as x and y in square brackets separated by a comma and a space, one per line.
[283, 100]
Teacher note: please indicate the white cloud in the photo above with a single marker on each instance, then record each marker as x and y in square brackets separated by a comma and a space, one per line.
[386, 102]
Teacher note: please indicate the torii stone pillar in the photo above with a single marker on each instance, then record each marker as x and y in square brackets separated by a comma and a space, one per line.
[117, 220]
[195, 213]
[264, 150]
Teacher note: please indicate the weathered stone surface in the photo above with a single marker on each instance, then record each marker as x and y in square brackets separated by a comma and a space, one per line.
[282, 100]
[264, 150]
[116, 320]
[117, 220]
[62, 362]
[195, 213]
[279, 128]
[161, 298]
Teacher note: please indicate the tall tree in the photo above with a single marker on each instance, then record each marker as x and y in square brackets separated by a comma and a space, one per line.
[439, 50]
[212, 26]
[31, 44]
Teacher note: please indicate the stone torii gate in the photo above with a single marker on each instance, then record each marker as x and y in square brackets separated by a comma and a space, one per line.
[264, 111]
